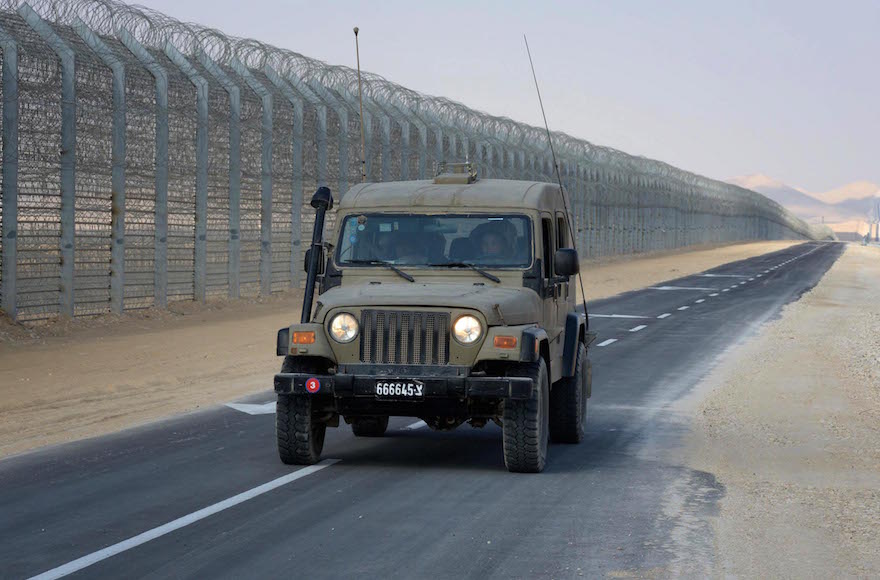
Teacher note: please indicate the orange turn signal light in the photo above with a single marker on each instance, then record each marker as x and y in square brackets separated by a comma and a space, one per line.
[303, 337]
[505, 342]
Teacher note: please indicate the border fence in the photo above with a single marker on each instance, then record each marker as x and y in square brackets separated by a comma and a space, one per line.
[146, 160]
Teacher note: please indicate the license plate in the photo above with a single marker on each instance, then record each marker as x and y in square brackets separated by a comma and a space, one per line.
[400, 389]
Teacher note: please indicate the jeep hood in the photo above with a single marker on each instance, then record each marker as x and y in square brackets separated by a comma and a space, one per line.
[516, 305]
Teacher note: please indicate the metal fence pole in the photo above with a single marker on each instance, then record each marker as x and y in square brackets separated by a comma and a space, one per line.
[296, 193]
[200, 248]
[68, 151]
[9, 229]
[266, 103]
[234, 243]
[117, 155]
[160, 265]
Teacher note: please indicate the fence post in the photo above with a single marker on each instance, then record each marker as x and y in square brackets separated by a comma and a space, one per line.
[265, 172]
[68, 150]
[117, 155]
[341, 138]
[234, 243]
[201, 233]
[9, 229]
[296, 194]
[160, 277]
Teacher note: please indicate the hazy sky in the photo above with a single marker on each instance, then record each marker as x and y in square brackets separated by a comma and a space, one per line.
[790, 89]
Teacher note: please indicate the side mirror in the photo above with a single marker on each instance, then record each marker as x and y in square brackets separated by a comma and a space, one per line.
[308, 259]
[566, 262]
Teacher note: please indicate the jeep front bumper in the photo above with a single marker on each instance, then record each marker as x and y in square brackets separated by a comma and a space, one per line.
[442, 387]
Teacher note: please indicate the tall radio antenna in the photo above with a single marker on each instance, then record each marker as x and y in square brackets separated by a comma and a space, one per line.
[558, 176]
[361, 102]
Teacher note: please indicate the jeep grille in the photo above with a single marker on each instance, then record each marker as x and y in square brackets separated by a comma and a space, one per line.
[404, 337]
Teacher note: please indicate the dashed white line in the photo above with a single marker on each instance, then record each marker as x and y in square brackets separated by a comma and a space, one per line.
[752, 279]
[414, 426]
[683, 307]
[251, 409]
[700, 301]
[616, 316]
[664, 315]
[638, 328]
[679, 288]
[135, 541]
[714, 294]
[724, 276]
[726, 290]
[607, 342]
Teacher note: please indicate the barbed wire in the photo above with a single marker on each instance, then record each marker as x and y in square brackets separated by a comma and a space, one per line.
[423, 129]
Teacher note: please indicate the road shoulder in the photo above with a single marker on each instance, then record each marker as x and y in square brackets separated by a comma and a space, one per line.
[789, 427]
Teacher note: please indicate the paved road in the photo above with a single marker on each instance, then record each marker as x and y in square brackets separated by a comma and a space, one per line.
[416, 503]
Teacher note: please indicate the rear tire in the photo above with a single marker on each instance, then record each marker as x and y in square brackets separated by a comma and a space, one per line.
[369, 426]
[568, 403]
[299, 433]
[526, 423]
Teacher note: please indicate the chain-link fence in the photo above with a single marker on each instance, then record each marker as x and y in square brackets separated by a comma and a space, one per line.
[147, 160]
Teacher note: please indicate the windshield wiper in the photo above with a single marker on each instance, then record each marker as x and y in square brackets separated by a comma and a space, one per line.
[492, 277]
[388, 265]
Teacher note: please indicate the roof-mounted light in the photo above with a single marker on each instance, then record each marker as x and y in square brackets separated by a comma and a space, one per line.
[455, 173]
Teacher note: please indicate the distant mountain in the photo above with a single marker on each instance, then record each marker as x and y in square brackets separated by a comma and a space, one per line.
[853, 191]
[798, 201]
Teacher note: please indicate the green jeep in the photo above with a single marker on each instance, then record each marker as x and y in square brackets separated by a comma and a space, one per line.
[449, 300]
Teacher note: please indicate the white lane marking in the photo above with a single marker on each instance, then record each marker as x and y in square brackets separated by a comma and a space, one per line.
[616, 316]
[700, 301]
[714, 294]
[679, 288]
[638, 328]
[759, 275]
[683, 307]
[607, 342]
[414, 426]
[724, 275]
[135, 541]
[250, 409]
[664, 315]
[726, 290]
[752, 279]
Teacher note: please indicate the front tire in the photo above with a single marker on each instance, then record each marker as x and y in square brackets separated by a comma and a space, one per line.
[369, 426]
[568, 403]
[298, 431]
[526, 423]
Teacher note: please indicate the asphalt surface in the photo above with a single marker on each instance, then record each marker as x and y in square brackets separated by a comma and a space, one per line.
[416, 503]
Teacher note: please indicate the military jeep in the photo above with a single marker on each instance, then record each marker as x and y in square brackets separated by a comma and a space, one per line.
[452, 301]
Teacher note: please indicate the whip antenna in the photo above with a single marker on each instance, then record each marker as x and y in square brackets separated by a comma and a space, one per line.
[361, 102]
[558, 176]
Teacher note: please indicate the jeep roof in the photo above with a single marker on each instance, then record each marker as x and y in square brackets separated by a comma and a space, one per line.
[482, 194]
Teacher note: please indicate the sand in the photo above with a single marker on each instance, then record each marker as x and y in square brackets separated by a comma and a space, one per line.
[791, 429]
[84, 378]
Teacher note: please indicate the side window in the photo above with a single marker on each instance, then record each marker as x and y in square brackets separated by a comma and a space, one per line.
[547, 239]
[561, 232]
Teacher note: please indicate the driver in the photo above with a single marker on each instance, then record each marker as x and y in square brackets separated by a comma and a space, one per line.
[495, 241]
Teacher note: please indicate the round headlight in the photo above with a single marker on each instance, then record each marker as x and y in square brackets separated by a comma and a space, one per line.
[467, 330]
[344, 327]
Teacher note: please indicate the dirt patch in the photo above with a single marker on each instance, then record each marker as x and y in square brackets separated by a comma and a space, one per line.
[80, 378]
[791, 428]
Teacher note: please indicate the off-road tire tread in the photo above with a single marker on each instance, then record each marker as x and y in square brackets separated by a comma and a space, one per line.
[297, 443]
[523, 450]
[567, 408]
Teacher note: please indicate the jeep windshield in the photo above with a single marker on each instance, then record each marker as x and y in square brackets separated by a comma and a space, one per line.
[436, 241]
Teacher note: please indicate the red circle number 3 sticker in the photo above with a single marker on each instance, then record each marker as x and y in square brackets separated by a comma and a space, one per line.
[313, 385]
